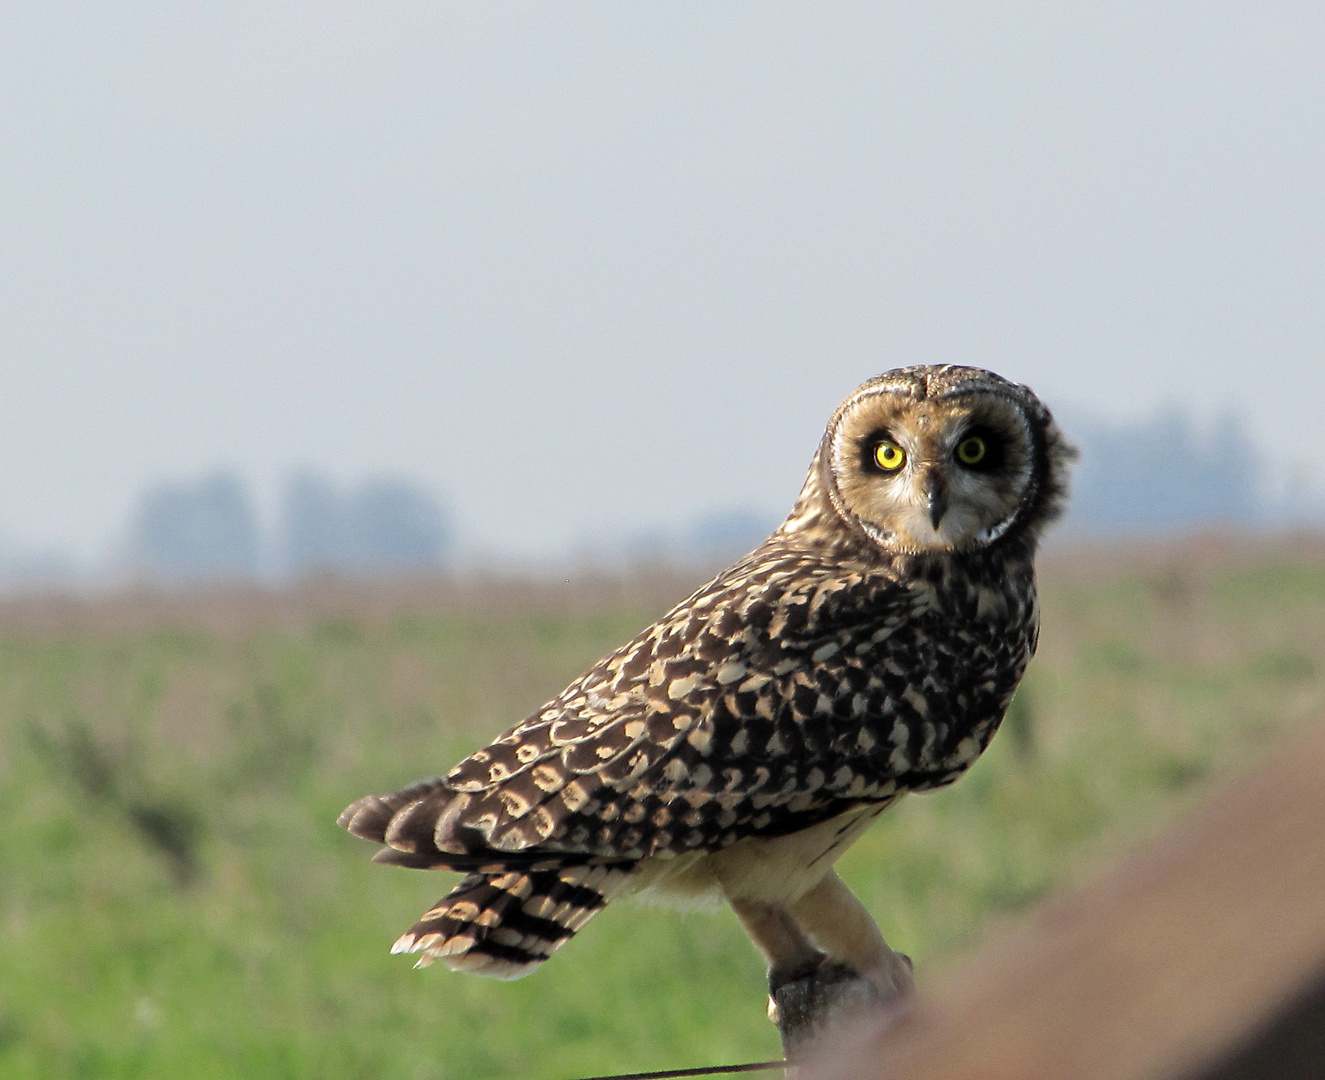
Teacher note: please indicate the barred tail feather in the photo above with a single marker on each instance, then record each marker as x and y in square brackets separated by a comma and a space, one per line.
[505, 923]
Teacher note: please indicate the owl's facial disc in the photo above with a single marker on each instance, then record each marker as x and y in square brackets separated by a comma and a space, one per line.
[933, 474]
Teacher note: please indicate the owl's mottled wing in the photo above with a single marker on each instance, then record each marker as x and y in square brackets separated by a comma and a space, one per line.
[779, 695]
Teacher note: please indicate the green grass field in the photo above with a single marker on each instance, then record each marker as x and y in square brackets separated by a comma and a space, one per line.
[176, 900]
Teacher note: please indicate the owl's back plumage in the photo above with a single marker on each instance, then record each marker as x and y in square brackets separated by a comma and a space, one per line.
[777, 709]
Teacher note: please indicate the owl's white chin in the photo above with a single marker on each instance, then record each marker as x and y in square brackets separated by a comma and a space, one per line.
[914, 533]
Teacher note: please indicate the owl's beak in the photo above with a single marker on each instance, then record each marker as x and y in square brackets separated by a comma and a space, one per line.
[936, 496]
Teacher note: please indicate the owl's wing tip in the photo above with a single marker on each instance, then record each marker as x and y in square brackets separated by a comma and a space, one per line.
[375, 817]
[367, 818]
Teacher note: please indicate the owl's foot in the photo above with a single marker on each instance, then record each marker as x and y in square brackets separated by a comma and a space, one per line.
[806, 1004]
[894, 978]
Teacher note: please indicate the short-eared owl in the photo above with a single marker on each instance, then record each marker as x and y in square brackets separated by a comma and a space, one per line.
[735, 748]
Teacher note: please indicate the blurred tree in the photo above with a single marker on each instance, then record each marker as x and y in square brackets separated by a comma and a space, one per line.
[313, 526]
[385, 526]
[1162, 474]
[200, 531]
[393, 525]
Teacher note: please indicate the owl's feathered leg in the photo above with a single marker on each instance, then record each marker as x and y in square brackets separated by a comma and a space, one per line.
[839, 924]
[799, 1000]
[790, 954]
[826, 957]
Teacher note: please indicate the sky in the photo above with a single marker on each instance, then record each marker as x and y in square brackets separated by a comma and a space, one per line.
[586, 268]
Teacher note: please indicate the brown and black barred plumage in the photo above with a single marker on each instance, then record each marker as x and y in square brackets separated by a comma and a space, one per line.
[734, 749]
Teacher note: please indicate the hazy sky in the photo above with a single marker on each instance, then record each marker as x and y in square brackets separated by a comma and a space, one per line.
[589, 267]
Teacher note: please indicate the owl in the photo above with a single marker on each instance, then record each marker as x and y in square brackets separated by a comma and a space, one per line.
[737, 747]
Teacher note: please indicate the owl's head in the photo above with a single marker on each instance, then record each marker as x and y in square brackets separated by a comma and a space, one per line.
[939, 459]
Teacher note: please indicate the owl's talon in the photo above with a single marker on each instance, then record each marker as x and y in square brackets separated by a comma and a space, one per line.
[894, 979]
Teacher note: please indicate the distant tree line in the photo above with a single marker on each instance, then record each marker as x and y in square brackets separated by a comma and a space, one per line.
[208, 530]
[384, 525]
[1162, 474]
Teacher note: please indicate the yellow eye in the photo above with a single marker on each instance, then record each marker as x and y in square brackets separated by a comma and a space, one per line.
[889, 456]
[972, 451]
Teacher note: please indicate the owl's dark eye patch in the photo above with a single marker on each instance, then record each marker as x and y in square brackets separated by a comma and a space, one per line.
[981, 449]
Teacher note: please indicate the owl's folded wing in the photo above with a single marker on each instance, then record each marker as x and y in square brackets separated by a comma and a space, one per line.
[752, 709]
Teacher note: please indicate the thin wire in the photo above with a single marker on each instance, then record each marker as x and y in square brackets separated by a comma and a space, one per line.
[712, 1070]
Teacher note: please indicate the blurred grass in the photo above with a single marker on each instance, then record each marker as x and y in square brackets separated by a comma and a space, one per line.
[175, 898]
